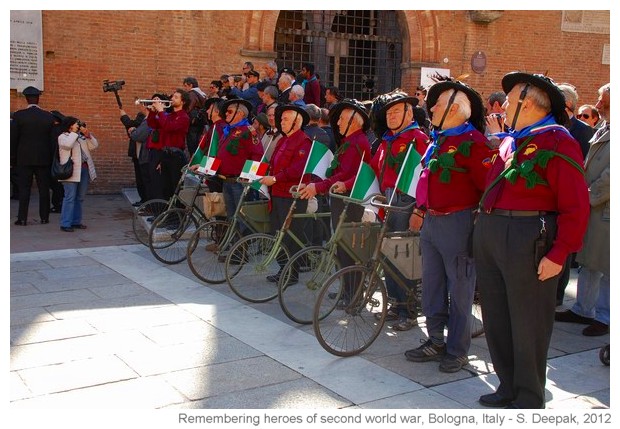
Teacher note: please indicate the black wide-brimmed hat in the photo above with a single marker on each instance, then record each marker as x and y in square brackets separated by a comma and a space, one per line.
[545, 83]
[380, 105]
[445, 83]
[232, 101]
[347, 103]
[300, 110]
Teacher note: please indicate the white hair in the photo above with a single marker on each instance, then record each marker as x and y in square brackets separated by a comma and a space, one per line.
[299, 91]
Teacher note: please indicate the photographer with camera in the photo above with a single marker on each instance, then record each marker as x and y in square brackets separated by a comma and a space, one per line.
[167, 157]
[76, 142]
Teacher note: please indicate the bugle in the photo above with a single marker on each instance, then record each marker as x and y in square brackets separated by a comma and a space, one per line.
[165, 103]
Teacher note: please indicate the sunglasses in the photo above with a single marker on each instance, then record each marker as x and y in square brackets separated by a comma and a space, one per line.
[583, 115]
[419, 93]
[230, 112]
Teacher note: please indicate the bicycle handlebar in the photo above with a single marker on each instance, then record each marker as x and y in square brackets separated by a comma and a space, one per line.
[347, 198]
[374, 201]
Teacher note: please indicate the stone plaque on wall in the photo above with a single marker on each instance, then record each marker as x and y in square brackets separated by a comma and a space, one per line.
[586, 21]
[26, 49]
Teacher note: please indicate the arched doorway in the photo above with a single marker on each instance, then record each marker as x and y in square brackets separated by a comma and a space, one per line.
[359, 51]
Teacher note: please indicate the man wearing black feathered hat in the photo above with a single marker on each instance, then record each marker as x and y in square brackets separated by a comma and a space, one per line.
[236, 145]
[533, 215]
[397, 128]
[449, 189]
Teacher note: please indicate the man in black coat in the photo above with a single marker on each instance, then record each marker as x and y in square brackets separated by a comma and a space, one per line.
[31, 154]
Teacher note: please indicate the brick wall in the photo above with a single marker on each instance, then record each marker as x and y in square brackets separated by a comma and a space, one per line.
[154, 50]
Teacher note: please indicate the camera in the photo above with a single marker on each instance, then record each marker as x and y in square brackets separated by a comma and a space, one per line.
[113, 86]
[81, 124]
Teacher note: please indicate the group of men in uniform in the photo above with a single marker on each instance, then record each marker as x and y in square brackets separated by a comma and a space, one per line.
[501, 219]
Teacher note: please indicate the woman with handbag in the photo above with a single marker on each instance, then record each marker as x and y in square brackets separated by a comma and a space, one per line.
[76, 142]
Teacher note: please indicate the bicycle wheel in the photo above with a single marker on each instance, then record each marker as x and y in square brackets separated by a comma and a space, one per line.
[149, 210]
[170, 235]
[344, 318]
[477, 327]
[205, 248]
[301, 281]
[251, 272]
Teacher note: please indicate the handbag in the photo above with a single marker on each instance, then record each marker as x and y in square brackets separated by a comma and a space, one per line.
[213, 204]
[61, 171]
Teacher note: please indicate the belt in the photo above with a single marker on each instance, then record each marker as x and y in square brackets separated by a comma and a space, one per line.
[520, 213]
[449, 211]
[228, 179]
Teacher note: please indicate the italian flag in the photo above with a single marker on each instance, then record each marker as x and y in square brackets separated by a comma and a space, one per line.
[319, 160]
[366, 183]
[409, 173]
[209, 165]
[254, 171]
[200, 151]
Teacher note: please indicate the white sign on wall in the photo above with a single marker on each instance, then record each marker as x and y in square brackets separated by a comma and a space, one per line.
[427, 73]
[26, 49]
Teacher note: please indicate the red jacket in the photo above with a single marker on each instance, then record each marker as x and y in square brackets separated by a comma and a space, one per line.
[171, 127]
[565, 194]
[464, 188]
[288, 162]
[239, 146]
[349, 154]
[399, 148]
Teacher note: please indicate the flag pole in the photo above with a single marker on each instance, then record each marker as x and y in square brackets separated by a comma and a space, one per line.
[357, 175]
[211, 141]
[400, 172]
[307, 161]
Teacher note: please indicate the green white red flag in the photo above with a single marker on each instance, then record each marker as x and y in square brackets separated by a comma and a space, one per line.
[254, 171]
[409, 173]
[319, 160]
[366, 183]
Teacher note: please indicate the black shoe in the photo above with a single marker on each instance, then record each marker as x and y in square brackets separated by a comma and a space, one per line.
[138, 203]
[494, 400]
[44, 221]
[66, 229]
[570, 317]
[596, 329]
[55, 210]
[79, 226]
[20, 222]
[150, 219]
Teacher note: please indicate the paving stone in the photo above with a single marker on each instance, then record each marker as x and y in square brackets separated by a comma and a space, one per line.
[420, 399]
[75, 374]
[186, 332]
[47, 299]
[77, 261]
[140, 393]
[98, 307]
[295, 394]
[17, 388]
[91, 282]
[20, 266]
[162, 359]
[71, 272]
[49, 331]
[30, 315]
[18, 289]
[59, 351]
[219, 379]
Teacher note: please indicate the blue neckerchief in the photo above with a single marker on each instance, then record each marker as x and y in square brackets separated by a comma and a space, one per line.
[435, 135]
[305, 81]
[229, 127]
[547, 123]
[391, 138]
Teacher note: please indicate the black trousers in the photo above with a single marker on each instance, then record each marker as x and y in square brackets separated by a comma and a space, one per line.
[517, 308]
[42, 175]
[137, 169]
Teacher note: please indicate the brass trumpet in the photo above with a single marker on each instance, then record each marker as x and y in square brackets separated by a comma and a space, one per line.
[165, 103]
